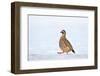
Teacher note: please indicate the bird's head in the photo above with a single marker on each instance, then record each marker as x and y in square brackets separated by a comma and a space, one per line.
[63, 32]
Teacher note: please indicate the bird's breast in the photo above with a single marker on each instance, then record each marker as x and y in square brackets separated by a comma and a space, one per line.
[61, 43]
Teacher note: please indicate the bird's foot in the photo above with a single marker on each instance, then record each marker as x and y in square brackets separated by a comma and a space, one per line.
[60, 52]
[67, 53]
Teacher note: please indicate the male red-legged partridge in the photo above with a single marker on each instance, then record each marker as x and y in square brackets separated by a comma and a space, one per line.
[64, 44]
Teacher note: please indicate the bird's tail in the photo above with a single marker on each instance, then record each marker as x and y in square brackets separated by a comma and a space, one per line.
[73, 51]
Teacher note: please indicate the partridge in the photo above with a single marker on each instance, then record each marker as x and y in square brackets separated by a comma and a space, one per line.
[64, 44]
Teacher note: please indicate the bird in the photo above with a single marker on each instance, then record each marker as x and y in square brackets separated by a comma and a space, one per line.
[64, 44]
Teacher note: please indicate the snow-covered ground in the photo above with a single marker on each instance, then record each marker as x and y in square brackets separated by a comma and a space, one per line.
[44, 35]
[55, 56]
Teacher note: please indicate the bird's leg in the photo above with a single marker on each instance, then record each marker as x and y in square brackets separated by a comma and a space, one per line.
[60, 52]
[67, 53]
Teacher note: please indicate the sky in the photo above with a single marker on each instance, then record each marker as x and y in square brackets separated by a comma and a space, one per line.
[44, 33]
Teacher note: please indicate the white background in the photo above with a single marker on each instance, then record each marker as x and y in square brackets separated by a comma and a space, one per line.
[5, 41]
[49, 26]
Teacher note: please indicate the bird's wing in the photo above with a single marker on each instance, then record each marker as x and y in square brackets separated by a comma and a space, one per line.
[67, 43]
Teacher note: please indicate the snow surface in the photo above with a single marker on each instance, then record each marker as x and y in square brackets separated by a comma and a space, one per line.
[55, 56]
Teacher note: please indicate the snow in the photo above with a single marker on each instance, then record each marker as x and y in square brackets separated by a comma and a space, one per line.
[44, 35]
[55, 56]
